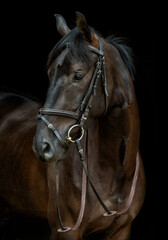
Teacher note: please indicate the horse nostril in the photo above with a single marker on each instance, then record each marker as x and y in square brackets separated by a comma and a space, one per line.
[45, 147]
[47, 151]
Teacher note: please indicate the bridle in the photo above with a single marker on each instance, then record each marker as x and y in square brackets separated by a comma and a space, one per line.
[82, 111]
[81, 116]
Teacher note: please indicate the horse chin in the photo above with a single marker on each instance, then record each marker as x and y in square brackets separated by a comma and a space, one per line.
[56, 160]
[57, 157]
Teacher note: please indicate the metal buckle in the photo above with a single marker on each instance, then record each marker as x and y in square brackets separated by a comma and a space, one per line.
[69, 138]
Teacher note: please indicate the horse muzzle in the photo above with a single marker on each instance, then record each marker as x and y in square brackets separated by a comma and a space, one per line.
[48, 149]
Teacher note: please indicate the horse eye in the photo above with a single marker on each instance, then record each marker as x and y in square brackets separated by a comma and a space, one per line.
[78, 76]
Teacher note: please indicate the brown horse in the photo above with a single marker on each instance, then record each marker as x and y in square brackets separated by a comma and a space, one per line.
[23, 178]
[90, 121]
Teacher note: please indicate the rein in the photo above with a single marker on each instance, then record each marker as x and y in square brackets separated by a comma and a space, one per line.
[84, 159]
[81, 116]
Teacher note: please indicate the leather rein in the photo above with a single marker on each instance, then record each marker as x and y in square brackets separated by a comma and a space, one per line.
[81, 116]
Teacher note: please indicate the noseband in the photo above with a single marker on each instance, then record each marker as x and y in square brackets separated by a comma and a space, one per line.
[82, 112]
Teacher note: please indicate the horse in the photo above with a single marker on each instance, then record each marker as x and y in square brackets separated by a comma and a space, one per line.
[88, 132]
[23, 178]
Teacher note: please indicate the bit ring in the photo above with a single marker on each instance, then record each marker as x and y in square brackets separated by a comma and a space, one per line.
[69, 138]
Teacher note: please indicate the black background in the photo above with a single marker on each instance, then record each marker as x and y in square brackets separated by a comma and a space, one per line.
[28, 33]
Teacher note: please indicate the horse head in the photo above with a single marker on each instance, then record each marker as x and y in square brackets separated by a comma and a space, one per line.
[85, 82]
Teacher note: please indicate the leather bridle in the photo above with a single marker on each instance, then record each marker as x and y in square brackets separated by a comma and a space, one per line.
[81, 116]
[82, 111]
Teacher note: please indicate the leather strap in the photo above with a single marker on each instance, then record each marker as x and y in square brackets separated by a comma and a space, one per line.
[132, 192]
[59, 112]
[96, 50]
[83, 156]
[53, 129]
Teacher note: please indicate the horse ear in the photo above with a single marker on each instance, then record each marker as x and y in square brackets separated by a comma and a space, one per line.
[85, 30]
[83, 26]
[61, 25]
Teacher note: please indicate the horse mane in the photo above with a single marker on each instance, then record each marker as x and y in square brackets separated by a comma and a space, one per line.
[125, 52]
[78, 49]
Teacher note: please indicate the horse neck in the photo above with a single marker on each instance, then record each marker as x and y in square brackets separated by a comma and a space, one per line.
[102, 155]
[114, 141]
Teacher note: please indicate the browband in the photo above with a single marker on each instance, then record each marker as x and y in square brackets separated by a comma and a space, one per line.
[96, 50]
